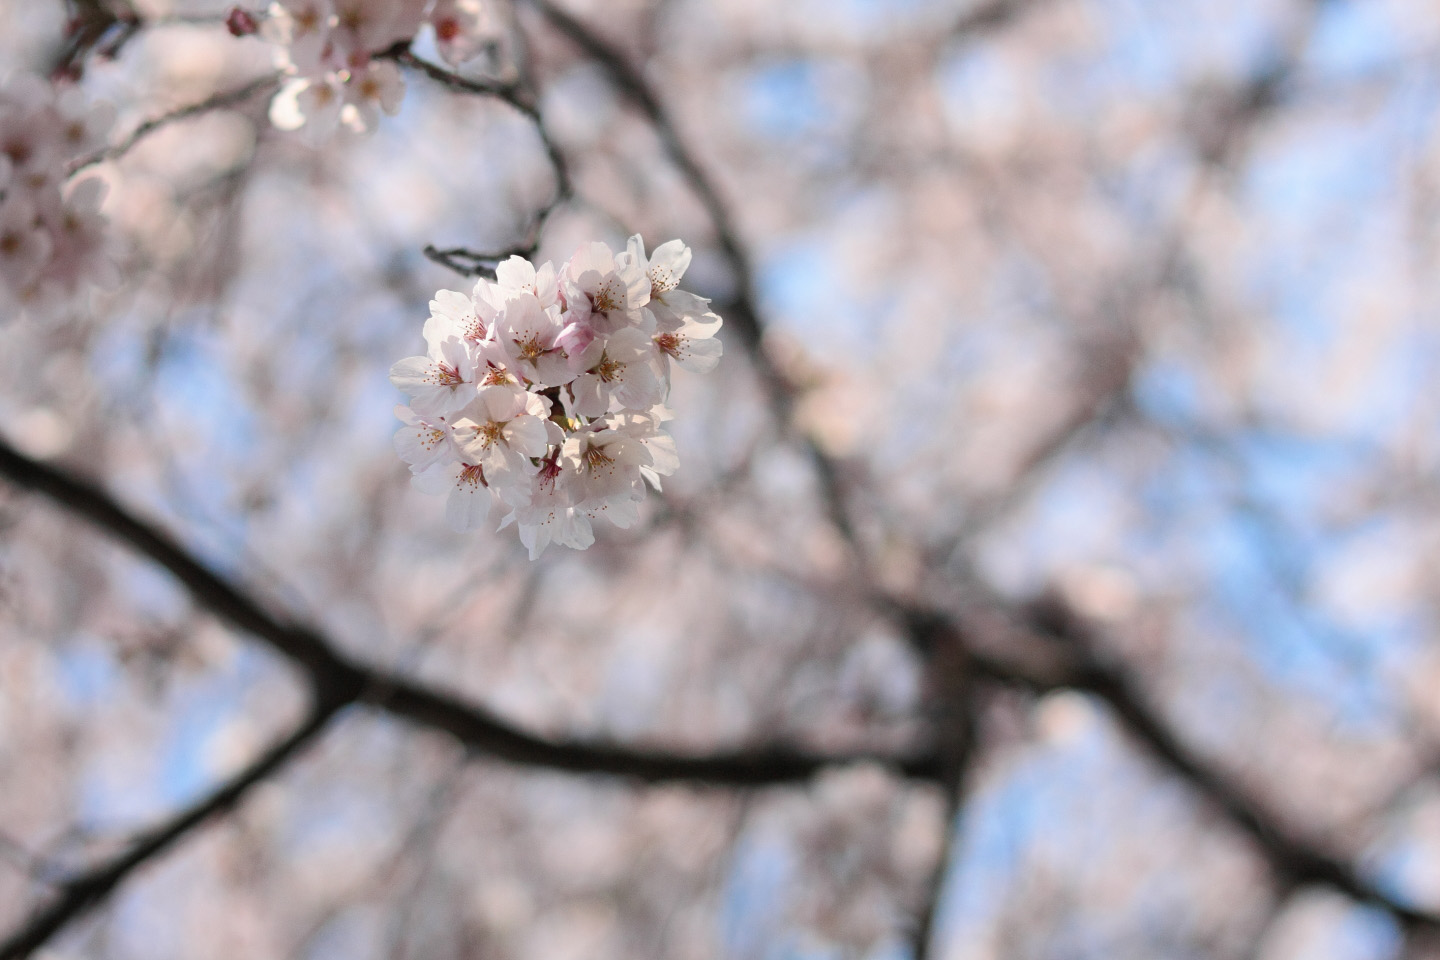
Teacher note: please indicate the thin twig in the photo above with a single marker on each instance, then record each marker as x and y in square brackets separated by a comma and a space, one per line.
[225, 98]
[460, 259]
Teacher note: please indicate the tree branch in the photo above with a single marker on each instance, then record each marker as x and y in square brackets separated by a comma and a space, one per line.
[460, 259]
[1294, 861]
[225, 98]
[78, 896]
[338, 680]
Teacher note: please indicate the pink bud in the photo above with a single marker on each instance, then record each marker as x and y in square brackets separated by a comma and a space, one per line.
[241, 23]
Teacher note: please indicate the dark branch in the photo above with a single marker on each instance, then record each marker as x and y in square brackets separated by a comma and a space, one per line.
[469, 263]
[746, 767]
[959, 719]
[86, 891]
[1294, 861]
[506, 92]
[338, 680]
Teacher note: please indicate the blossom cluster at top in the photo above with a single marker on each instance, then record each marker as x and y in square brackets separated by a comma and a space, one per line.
[540, 399]
[51, 238]
[328, 48]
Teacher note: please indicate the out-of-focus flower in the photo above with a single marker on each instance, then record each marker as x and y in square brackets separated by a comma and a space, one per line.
[459, 29]
[51, 244]
[559, 431]
[370, 90]
[330, 48]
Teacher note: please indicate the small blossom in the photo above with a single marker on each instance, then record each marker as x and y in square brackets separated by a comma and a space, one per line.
[617, 371]
[423, 442]
[453, 314]
[692, 345]
[459, 30]
[601, 293]
[241, 23]
[664, 268]
[470, 500]
[371, 90]
[502, 429]
[438, 384]
[527, 342]
[24, 243]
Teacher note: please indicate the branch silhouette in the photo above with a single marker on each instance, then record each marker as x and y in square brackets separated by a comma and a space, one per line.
[337, 681]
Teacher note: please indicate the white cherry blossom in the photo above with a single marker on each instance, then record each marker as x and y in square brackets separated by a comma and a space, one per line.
[370, 90]
[453, 314]
[438, 384]
[692, 345]
[526, 341]
[664, 267]
[502, 429]
[602, 295]
[423, 442]
[617, 370]
[470, 500]
[459, 29]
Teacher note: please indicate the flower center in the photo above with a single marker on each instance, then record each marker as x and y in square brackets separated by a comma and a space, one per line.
[596, 459]
[671, 343]
[490, 433]
[497, 376]
[604, 300]
[661, 281]
[446, 376]
[549, 473]
[473, 474]
[609, 370]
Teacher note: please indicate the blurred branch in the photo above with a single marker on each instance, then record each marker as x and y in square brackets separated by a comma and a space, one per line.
[20, 857]
[958, 732]
[987, 17]
[84, 892]
[336, 680]
[506, 92]
[99, 27]
[223, 99]
[1294, 861]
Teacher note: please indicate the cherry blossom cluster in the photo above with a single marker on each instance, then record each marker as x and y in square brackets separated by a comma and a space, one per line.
[328, 49]
[52, 236]
[540, 401]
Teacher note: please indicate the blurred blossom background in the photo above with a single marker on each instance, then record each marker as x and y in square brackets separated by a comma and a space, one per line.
[1063, 509]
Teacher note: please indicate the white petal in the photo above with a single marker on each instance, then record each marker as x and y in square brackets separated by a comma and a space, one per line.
[526, 435]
